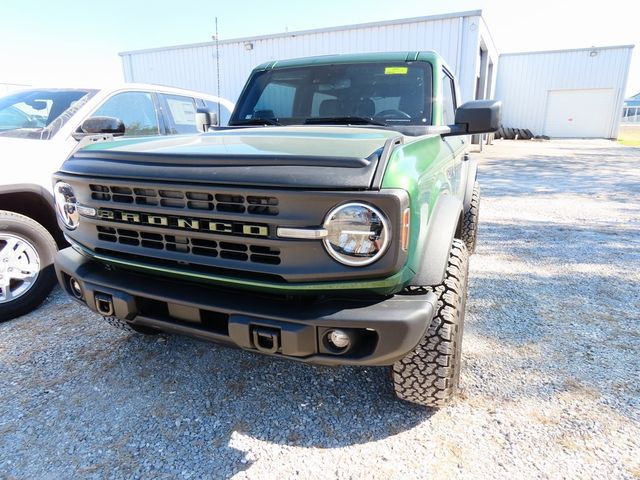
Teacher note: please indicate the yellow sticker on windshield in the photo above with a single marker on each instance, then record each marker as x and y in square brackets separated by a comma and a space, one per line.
[396, 70]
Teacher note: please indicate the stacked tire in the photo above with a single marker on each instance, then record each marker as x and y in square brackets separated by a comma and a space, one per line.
[509, 133]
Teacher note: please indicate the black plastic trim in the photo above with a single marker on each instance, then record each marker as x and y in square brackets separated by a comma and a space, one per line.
[226, 160]
[399, 321]
[28, 188]
[441, 231]
[301, 172]
[300, 260]
[385, 156]
[472, 175]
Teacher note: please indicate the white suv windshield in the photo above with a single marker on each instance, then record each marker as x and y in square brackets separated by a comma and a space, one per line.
[39, 113]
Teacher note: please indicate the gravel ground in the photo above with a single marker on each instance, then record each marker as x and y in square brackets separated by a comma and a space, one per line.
[549, 383]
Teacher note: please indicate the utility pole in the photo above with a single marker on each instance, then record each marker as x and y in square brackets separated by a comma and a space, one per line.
[218, 68]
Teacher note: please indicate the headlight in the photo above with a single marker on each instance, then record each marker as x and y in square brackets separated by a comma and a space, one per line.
[66, 205]
[357, 234]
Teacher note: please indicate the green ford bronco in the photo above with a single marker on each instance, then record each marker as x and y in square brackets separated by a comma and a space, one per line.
[329, 223]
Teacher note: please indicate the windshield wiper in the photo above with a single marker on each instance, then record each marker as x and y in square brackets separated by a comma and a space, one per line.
[256, 121]
[344, 121]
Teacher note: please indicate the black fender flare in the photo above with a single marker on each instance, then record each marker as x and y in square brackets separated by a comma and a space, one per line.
[435, 243]
[42, 210]
[472, 175]
[29, 188]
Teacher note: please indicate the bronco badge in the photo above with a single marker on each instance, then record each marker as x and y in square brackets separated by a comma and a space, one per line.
[184, 223]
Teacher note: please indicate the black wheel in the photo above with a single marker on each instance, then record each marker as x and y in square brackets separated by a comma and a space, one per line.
[499, 134]
[127, 327]
[430, 374]
[470, 221]
[27, 275]
[528, 134]
[509, 134]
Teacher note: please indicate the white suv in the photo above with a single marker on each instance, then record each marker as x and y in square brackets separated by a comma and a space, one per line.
[39, 129]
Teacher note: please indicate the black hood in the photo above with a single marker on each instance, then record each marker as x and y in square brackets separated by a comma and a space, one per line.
[283, 157]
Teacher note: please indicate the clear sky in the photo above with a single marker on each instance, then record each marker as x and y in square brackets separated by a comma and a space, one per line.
[73, 42]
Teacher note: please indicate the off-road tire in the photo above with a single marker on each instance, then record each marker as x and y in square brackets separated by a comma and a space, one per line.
[430, 374]
[127, 327]
[470, 220]
[45, 246]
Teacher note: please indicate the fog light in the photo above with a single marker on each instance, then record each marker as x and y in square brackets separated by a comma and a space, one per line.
[339, 339]
[76, 289]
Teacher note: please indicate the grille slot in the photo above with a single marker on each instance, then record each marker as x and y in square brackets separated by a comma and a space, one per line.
[145, 196]
[185, 244]
[262, 205]
[190, 200]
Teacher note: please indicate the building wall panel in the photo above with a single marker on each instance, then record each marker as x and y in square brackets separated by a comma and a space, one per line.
[455, 37]
[525, 80]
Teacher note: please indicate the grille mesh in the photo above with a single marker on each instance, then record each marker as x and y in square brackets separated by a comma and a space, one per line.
[191, 200]
[186, 244]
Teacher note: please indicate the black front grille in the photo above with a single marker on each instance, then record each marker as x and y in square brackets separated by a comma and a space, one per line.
[184, 199]
[187, 244]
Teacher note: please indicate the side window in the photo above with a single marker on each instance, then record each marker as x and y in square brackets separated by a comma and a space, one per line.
[181, 112]
[448, 100]
[135, 109]
[276, 101]
[224, 113]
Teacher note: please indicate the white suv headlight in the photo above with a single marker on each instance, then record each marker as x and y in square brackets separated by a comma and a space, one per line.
[357, 234]
[66, 205]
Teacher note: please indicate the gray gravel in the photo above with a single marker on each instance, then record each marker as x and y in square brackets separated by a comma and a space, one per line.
[550, 376]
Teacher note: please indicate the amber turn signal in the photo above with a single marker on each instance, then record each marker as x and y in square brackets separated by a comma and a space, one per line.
[404, 236]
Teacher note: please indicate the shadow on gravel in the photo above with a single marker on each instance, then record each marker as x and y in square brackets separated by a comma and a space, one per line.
[614, 174]
[138, 405]
[80, 398]
[272, 399]
[557, 333]
[214, 396]
[560, 300]
[602, 243]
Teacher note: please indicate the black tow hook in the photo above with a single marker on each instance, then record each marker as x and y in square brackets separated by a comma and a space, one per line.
[104, 304]
[266, 340]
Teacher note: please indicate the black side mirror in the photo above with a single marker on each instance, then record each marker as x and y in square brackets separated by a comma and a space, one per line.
[205, 119]
[478, 116]
[100, 125]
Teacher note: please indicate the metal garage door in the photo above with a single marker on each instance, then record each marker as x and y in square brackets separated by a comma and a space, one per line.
[579, 113]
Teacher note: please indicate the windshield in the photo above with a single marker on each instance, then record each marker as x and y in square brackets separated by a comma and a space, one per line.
[39, 113]
[390, 93]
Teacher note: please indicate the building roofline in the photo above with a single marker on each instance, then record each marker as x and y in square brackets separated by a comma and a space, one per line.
[400, 21]
[563, 50]
[488, 30]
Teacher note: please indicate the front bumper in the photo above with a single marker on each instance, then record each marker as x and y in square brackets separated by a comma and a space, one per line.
[382, 330]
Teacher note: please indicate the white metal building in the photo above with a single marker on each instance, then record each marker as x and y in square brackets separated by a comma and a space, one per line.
[564, 93]
[461, 38]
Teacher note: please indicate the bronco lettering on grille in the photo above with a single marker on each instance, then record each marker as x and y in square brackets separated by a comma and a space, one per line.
[183, 223]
